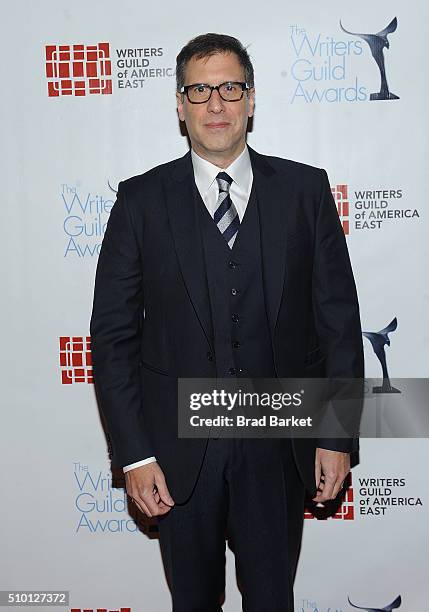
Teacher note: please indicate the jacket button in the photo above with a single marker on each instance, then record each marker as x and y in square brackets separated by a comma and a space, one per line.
[234, 291]
[236, 344]
[232, 371]
[210, 356]
[235, 318]
[232, 264]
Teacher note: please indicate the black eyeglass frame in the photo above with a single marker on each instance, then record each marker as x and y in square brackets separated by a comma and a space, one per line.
[244, 87]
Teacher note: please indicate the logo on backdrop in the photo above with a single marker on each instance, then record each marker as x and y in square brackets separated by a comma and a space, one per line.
[100, 610]
[103, 508]
[85, 219]
[377, 43]
[325, 68]
[379, 496]
[378, 342]
[372, 496]
[80, 69]
[345, 512]
[371, 209]
[393, 606]
[310, 605]
[75, 359]
[341, 198]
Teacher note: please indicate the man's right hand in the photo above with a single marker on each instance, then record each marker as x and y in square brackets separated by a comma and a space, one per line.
[147, 487]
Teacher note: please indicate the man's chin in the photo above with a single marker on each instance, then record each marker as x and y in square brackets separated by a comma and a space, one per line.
[219, 145]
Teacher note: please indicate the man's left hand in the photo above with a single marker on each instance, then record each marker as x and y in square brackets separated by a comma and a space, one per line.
[331, 470]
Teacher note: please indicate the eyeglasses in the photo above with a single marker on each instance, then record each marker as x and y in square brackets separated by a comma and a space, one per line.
[198, 93]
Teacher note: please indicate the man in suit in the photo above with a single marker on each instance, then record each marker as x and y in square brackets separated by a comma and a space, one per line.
[223, 263]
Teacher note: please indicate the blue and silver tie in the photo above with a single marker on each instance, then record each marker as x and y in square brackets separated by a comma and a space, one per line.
[226, 216]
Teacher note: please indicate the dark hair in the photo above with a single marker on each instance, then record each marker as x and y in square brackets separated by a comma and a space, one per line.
[209, 44]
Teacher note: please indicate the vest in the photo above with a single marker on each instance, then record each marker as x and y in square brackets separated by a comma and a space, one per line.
[241, 334]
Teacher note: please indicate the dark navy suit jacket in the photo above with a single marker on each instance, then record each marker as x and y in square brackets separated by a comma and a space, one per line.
[151, 320]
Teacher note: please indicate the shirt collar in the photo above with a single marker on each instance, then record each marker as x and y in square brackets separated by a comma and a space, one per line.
[205, 172]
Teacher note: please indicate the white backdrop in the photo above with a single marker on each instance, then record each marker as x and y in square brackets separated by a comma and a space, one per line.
[59, 156]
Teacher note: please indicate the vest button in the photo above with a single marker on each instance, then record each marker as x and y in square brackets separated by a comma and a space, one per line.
[234, 291]
[232, 264]
[210, 356]
[236, 344]
[232, 371]
[235, 318]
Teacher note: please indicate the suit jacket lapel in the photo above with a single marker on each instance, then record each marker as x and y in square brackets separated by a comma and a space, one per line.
[273, 193]
[187, 239]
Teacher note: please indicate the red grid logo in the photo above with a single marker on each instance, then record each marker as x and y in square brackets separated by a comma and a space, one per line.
[346, 511]
[99, 610]
[75, 359]
[75, 70]
[342, 201]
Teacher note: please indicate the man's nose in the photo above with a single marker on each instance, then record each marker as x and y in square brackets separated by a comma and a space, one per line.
[215, 104]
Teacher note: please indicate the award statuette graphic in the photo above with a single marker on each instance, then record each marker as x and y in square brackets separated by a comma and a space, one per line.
[393, 606]
[376, 43]
[379, 341]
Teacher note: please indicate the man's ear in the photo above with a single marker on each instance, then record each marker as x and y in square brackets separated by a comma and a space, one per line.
[179, 102]
[251, 101]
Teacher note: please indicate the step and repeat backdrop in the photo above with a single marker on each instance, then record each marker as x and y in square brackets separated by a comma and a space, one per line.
[87, 100]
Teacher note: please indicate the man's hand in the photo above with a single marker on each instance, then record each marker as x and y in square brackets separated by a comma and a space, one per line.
[331, 469]
[147, 487]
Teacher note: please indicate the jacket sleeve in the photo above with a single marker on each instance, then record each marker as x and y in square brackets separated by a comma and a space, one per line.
[116, 326]
[336, 312]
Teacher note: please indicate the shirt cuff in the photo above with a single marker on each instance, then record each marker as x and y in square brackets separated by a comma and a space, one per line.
[137, 464]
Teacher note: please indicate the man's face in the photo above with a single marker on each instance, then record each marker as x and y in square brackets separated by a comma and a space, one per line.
[217, 129]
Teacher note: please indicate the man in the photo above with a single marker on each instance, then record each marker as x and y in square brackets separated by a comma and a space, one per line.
[222, 263]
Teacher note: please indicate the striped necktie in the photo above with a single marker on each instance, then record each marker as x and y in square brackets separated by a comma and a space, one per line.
[226, 216]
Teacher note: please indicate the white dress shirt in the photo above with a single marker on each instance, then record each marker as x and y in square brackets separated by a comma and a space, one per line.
[242, 177]
[205, 179]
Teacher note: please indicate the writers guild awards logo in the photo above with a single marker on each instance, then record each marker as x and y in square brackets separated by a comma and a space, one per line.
[115, 191]
[378, 341]
[376, 43]
[393, 606]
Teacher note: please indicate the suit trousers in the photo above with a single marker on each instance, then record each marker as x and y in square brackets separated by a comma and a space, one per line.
[248, 492]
